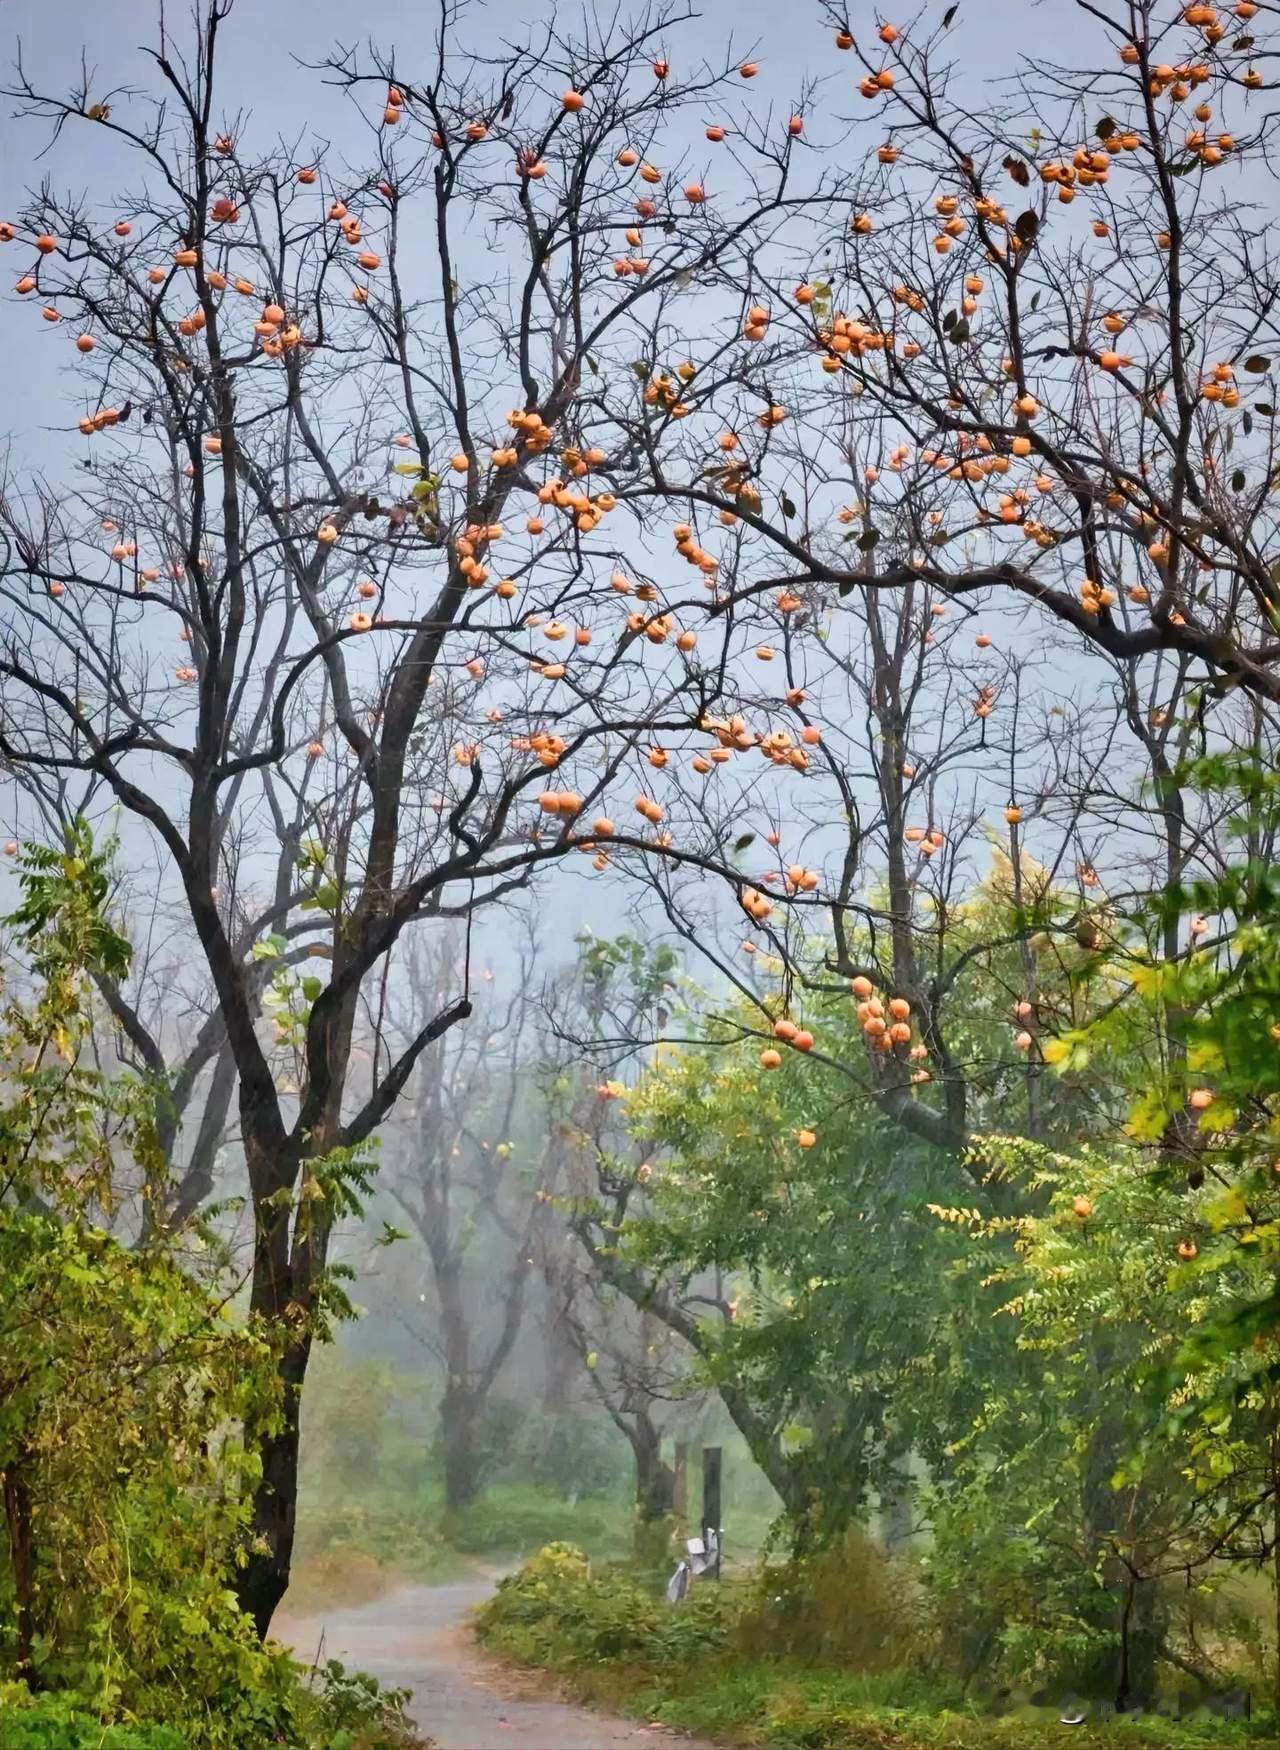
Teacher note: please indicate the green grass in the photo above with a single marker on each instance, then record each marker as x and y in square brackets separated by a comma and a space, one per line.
[786, 1705]
[349, 1549]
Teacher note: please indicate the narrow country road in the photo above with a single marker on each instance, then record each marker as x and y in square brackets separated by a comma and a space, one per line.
[419, 1639]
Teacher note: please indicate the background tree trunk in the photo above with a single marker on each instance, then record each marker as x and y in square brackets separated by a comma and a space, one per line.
[655, 1490]
[459, 1417]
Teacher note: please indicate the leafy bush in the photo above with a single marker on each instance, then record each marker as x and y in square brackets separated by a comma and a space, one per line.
[849, 1601]
[59, 1723]
[555, 1611]
[331, 1709]
[124, 1381]
[350, 1710]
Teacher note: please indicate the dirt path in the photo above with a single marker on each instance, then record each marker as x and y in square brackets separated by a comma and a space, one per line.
[419, 1639]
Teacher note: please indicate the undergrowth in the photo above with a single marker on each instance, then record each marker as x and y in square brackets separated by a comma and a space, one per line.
[778, 1664]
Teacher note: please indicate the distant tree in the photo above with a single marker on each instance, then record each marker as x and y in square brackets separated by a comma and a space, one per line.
[475, 1198]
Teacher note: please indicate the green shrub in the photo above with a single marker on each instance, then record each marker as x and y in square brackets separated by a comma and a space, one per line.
[330, 1708]
[554, 1610]
[849, 1601]
[350, 1710]
[59, 1722]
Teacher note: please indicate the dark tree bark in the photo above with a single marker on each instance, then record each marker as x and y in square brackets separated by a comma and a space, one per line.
[464, 1397]
[655, 1478]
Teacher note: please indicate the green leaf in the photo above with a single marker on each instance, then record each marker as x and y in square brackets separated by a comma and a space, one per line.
[407, 468]
[312, 988]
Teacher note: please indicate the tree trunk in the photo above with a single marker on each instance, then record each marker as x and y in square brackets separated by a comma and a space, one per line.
[17, 1513]
[459, 1414]
[264, 1580]
[461, 1403]
[655, 1492]
[282, 1296]
[655, 1479]
[1141, 1636]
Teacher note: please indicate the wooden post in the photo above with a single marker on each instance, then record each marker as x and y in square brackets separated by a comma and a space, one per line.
[680, 1487]
[711, 1504]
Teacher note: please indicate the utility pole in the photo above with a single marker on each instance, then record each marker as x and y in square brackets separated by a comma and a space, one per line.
[680, 1486]
[711, 1507]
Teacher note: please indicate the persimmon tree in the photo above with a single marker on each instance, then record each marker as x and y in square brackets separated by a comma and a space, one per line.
[1037, 344]
[300, 441]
